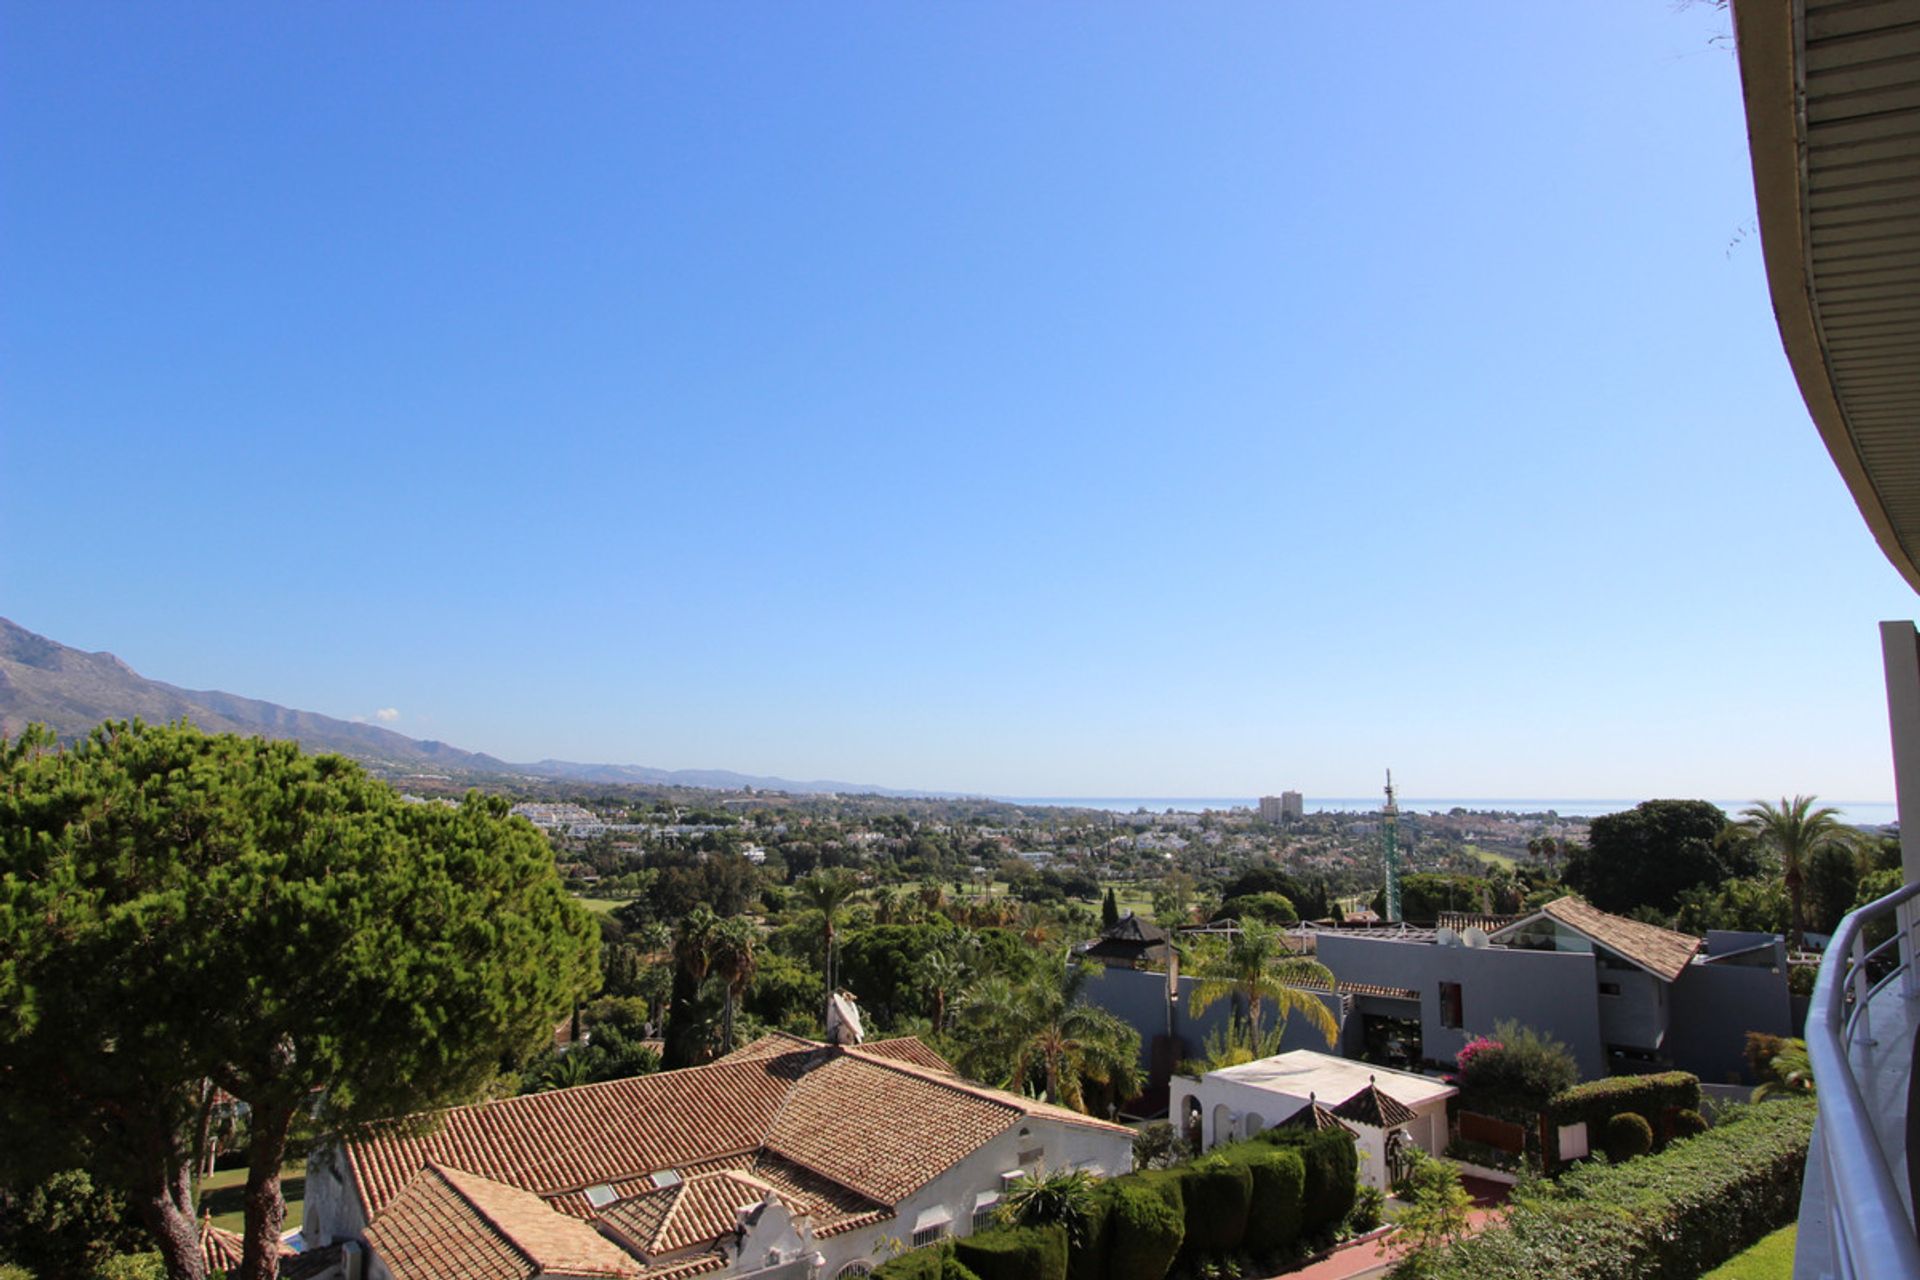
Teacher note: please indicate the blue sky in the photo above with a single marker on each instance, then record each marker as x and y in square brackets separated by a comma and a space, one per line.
[1033, 399]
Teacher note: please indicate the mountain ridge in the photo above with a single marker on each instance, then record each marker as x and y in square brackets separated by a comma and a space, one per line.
[71, 690]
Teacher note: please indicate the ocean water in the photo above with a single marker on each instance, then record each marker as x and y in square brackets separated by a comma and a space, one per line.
[1866, 813]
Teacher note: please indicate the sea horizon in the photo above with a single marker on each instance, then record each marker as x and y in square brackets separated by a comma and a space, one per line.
[1865, 813]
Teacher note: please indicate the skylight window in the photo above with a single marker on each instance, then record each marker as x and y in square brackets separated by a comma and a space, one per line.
[666, 1178]
[600, 1195]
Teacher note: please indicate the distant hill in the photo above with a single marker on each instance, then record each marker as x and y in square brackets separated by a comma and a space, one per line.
[71, 691]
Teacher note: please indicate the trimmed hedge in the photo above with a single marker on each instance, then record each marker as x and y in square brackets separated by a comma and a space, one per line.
[1649, 1097]
[1015, 1253]
[1145, 1228]
[1279, 1187]
[1088, 1259]
[1332, 1174]
[1218, 1193]
[934, 1262]
[1670, 1216]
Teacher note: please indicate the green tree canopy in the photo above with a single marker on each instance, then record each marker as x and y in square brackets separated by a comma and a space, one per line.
[177, 907]
[1652, 853]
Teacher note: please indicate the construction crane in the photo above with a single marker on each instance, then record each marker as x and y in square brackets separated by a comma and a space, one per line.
[1391, 834]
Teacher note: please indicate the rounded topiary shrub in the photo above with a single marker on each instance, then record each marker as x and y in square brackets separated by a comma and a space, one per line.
[1685, 1124]
[1144, 1228]
[1628, 1135]
[1015, 1253]
[1218, 1193]
[1274, 1212]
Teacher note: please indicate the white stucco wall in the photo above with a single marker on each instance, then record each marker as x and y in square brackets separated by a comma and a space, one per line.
[331, 1210]
[1052, 1143]
[1231, 1110]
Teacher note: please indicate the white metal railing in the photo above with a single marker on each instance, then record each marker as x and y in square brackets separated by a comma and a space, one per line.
[1873, 1234]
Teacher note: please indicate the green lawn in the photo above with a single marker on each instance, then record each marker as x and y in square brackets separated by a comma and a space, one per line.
[1488, 855]
[1771, 1259]
[224, 1193]
[599, 906]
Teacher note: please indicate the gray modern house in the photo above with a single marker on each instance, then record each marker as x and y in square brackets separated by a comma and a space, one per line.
[1621, 995]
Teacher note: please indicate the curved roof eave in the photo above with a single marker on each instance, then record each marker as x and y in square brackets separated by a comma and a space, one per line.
[1771, 35]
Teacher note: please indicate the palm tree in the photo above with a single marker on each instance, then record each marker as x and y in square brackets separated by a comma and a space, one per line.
[940, 973]
[828, 893]
[1794, 830]
[1254, 967]
[733, 949]
[1044, 1028]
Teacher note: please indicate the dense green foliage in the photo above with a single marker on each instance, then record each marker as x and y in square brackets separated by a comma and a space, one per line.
[1651, 1097]
[1217, 1193]
[935, 1262]
[1274, 1211]
[63, 1225]
[1064, 1198]
[1514, 1078]
[1650, 854]
[1425, 894]
[177, 908]
[1665, 1217]
[1627, 1135]
[1332, 1168]
[1015, 1253]
[1146, 1225]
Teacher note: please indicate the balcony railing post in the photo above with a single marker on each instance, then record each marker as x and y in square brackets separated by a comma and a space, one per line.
[1861, 984]
[1905, 919]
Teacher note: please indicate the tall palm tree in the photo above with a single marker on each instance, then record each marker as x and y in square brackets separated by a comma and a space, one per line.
[940, 973]
[1254, 967]
[1794, 830]
[828, 893]
[734, 952]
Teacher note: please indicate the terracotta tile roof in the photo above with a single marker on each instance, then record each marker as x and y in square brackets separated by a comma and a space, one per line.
[1313, 1116]
[881, 1128]
[696, 1211]
[225, 1250]
[841, 1134]
[908, 1049]
[571, 1139]
[1372, 1107]
[1659, 951]
[771, 1045]
[447, 1224]
[684, 1268]
[1357, 989]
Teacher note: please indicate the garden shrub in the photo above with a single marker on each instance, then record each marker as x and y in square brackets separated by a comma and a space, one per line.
[1669, 1216]
[1144, 1227]
[1512, 1076]
[1279, 1187]
[1684, 1124]
[916, 1264]
[1015, 1253]
[1087, 1256]
[1218, 1193]
[1332, 1174]
[1649, 1097]
[1628, 1135]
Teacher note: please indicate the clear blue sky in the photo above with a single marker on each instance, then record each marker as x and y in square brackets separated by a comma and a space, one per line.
[1037, 399]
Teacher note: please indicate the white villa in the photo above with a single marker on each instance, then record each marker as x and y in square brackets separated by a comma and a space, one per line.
[1387, 1111]
[787, 1159]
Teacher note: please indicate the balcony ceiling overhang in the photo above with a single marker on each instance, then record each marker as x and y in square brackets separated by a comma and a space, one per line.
[1832, 91]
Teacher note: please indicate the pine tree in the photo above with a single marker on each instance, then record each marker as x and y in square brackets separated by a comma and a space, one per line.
[1109, 911]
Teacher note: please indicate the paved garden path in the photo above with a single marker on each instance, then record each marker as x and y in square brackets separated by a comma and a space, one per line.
[1362, 1259]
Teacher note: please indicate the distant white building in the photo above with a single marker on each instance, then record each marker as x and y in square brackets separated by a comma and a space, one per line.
[1277, 809]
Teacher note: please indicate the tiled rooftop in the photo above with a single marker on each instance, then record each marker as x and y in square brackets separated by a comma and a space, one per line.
[447, 1222]
[1661, 951]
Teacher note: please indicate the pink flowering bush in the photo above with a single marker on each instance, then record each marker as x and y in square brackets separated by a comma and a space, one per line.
[1477, 1045]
